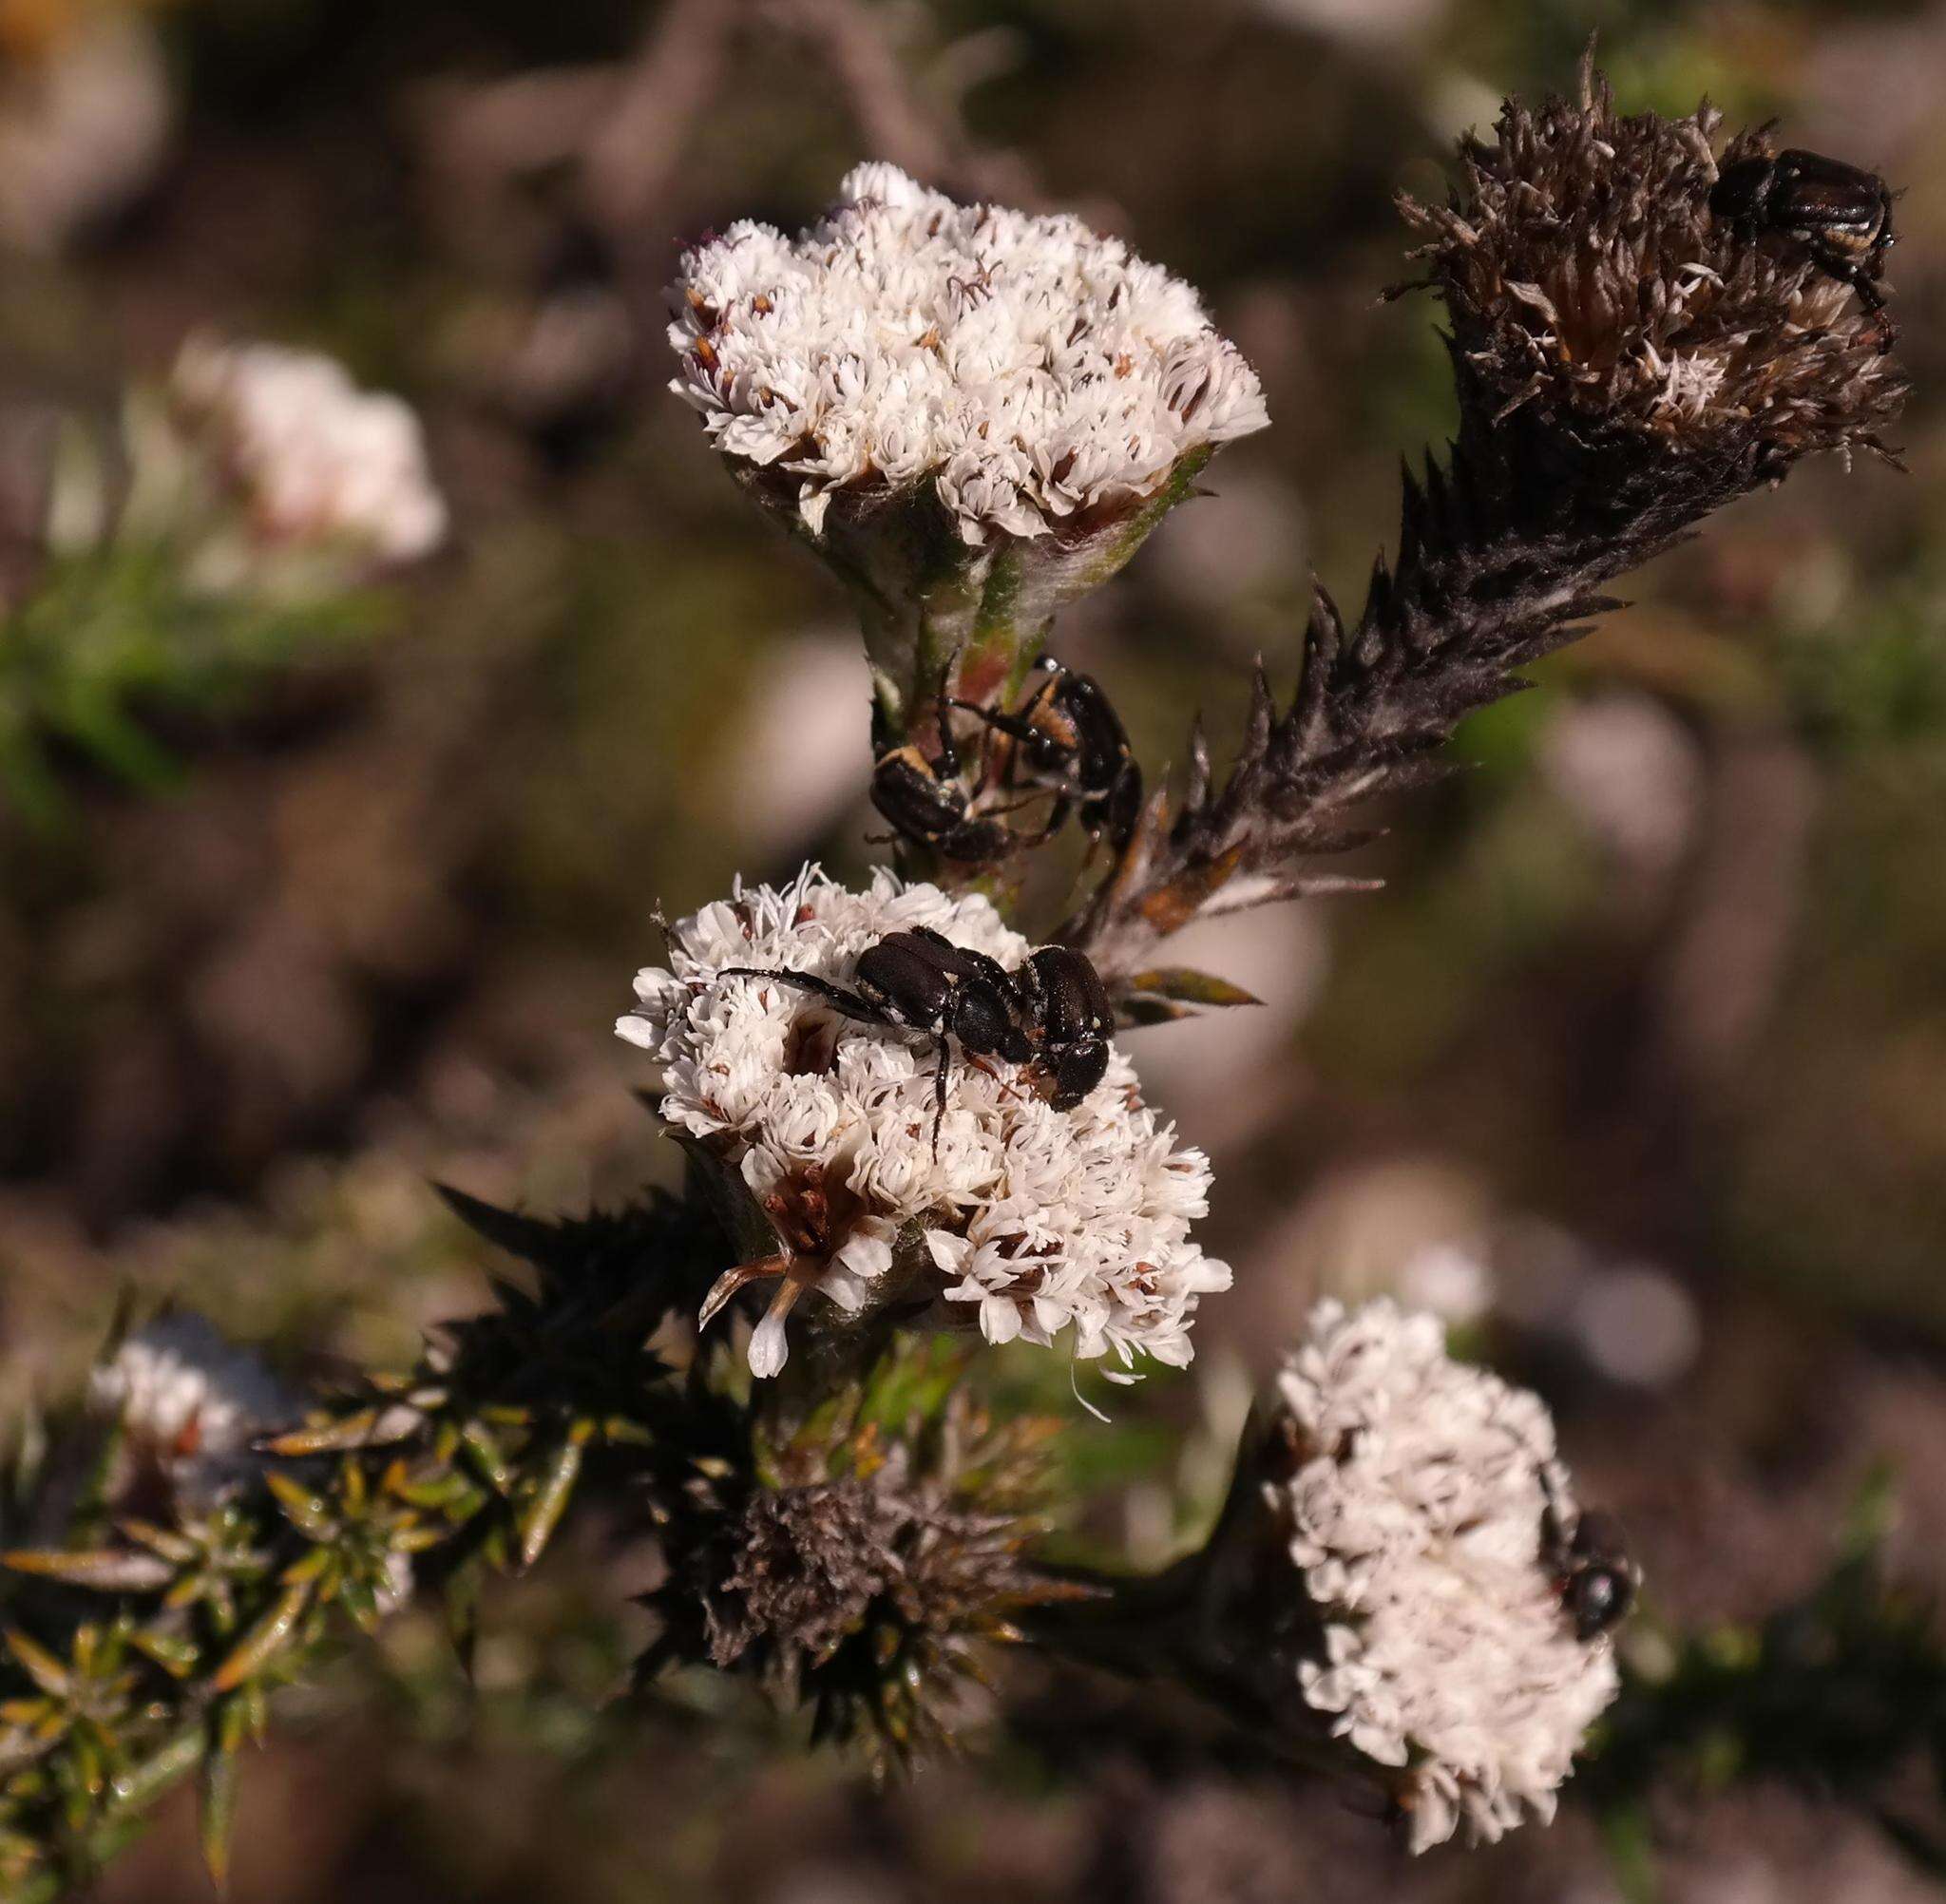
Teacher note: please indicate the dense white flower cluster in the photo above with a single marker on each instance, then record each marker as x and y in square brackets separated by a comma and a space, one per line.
[315, 459]
[1029, 368]
[1416, 1518]
[1033, 1219]
[189, 1404]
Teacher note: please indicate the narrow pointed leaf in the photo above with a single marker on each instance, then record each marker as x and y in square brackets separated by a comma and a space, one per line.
[1192, 988]
[550, 1500]
[101, 1570]
[174, 1654]
[528, 1237]
[41, 1666]
[162, 1540]
[265, 1641]
[136, 1785]
[368, 1428]
[486, 1457]
[304, 1509]
[216, 1814]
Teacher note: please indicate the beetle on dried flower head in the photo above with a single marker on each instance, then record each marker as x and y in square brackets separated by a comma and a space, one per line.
[1840, 212]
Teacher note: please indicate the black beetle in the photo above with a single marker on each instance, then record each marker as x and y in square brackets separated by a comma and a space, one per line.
[1067, 1006]
[1840, 213]
[1074, 744]
[1053, 1014]
[927, 800]
[1591, 1566]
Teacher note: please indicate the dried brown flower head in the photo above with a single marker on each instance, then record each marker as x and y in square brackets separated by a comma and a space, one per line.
[810, 1563]
[1587, 277]
[864, 1587]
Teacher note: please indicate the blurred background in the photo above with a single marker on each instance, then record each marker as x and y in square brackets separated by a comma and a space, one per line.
[1636, 1069]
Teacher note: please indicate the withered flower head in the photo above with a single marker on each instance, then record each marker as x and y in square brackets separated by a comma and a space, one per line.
[863, 1586]
[1627, 360]
[1587, 279]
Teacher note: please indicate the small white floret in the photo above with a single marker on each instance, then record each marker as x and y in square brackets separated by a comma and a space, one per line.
[189, 1404]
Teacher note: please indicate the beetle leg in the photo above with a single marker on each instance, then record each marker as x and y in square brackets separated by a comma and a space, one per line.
[939, 1092]
[850, 1003]
[1057, 817]
[1855, 275]
[948, 747]
[1014, 725]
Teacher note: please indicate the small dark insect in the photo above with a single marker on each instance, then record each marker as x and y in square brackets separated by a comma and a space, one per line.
[1072, 745]
[1053, 1014]
[925, 800]
[1840, 213]
[1591, 1566]
[1071, 1019]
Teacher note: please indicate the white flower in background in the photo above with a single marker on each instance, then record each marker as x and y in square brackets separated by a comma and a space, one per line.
[1416, 1516]
[189, 1404]
[314, 458]
[1632, 774]
[1031, 370]
[1446, 1281]
[1029, 1220]
[85, 122]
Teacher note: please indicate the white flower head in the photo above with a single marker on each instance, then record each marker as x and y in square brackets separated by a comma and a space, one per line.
[1028, 1220]
[1416, 1516]
[315, 460]
[190, 1406]
[1031, 370]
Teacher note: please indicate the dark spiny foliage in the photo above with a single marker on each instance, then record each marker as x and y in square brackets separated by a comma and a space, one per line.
[1842, 1692]
[146, 1650]
[1625, 365]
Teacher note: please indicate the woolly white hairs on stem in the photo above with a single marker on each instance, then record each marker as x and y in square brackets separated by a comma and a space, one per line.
[313, 458]
[191, 1402]
[1415, 1520]
[1030, 1220]
[1033, 371]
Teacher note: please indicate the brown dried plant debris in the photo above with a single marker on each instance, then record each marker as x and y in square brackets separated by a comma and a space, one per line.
[861, 1577]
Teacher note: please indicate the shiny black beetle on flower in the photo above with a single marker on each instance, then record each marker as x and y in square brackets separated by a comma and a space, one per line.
[1052, 1014]
[1840, 212]
[1067, 744]
[1591, 1565]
